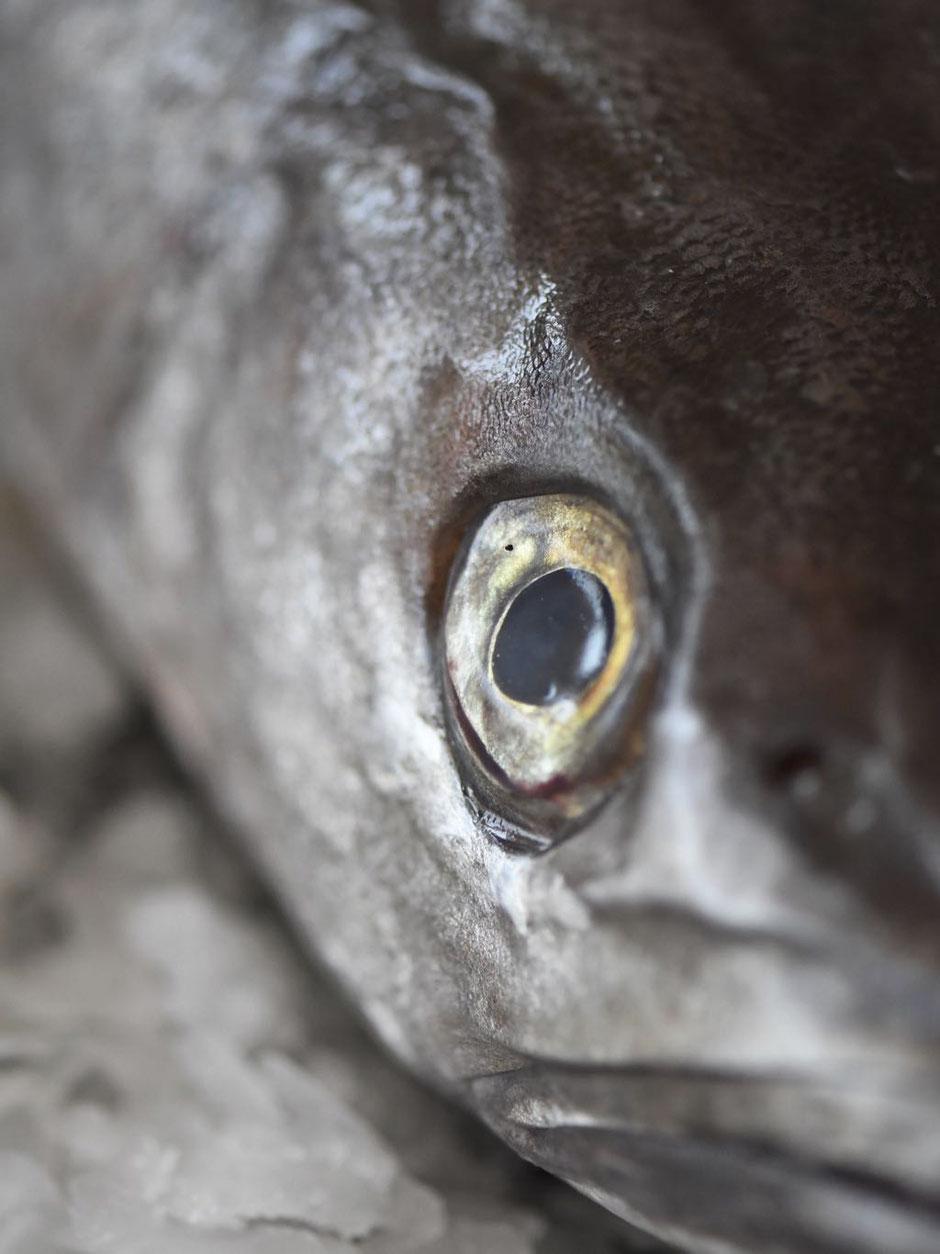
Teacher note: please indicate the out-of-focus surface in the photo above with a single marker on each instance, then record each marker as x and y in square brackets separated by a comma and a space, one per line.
[173, 1078]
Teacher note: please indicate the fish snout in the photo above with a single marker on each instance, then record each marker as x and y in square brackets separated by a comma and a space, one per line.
[817, 698]
[780, 1078]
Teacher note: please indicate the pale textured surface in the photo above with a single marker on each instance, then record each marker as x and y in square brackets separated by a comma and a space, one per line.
[173, 1079]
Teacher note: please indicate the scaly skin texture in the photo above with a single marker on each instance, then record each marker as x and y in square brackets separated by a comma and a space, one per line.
[292, 291]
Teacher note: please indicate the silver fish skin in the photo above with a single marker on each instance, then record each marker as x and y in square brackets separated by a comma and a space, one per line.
[291, 292]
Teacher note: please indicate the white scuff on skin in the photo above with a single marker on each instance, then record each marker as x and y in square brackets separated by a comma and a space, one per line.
[410, 748]
[508, 358]
[534, 894]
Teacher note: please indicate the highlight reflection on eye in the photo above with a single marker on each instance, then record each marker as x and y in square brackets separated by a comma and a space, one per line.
[549, 645]
[554, 637]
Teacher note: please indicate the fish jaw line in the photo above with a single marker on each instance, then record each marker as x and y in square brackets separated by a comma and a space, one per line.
[799, 1142]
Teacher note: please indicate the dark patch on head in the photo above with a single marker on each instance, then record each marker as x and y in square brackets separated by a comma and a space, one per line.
[794, 766]
[736, 207]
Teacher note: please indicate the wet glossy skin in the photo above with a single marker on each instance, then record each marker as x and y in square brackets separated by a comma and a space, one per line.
[288, 302]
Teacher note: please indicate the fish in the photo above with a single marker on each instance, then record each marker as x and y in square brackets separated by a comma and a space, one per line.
[328, 331]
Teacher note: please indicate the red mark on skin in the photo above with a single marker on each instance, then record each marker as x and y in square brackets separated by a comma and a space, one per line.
[549, 790]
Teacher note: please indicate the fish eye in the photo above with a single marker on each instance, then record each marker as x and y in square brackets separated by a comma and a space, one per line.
[549, 651]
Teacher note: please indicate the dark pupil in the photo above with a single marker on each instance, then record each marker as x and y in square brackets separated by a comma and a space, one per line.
[555, 637]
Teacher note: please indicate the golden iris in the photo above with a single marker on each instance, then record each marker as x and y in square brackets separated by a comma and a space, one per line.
[549, 647]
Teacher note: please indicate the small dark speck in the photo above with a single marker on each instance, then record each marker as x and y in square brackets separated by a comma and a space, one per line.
[797, 769]
[508, 548]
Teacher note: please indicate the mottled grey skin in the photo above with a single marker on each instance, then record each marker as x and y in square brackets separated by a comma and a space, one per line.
[292, 291]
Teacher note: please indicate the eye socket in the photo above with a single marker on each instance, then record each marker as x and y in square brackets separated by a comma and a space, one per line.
[550, 650]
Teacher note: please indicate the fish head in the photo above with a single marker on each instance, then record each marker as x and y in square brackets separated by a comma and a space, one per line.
[499, 258]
